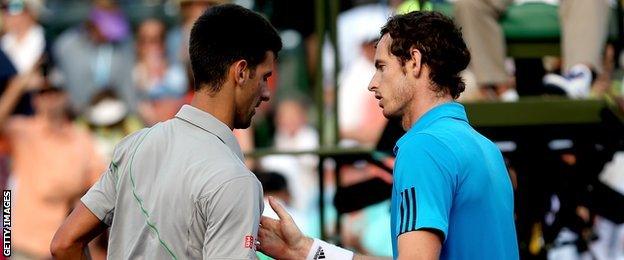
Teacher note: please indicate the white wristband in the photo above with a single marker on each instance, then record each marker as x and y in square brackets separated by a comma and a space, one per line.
[323, 250]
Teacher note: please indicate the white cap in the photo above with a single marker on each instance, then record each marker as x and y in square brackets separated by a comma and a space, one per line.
[107, 112]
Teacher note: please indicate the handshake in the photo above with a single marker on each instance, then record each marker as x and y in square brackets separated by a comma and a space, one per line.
[282, 239]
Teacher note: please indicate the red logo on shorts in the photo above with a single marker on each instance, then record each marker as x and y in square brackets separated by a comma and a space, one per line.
[249, 242]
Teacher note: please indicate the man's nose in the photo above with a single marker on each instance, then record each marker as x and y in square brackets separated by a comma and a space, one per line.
[373, 84]
[266, 95]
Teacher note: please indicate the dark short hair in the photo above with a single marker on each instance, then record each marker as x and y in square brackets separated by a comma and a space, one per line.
[224, 34]
[440, 43]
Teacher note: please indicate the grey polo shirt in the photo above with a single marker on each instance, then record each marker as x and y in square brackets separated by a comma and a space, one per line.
[179, 190]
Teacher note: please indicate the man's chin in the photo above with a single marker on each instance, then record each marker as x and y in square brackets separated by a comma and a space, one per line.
[389, 114]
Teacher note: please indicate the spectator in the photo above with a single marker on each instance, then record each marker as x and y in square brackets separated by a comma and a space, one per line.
[359, 118]
[109, 120]
[294, 134]
[24, 41]
[355, 26]
[53, 163]
[97, 55]
[160, 83]
[584, 31]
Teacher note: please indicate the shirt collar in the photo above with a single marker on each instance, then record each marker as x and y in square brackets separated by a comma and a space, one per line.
[211, 124]
[450, 109]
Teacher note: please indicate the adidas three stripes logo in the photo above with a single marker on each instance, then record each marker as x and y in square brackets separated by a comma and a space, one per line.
[408, 210]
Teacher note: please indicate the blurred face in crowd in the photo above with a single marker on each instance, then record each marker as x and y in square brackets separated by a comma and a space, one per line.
[150, 38]
[290, 117]
[253, 91]
[52, 102]
[390, 84]
[94, 33]
[16, 17]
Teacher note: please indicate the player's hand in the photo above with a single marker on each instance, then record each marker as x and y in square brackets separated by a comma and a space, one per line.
[282, 239]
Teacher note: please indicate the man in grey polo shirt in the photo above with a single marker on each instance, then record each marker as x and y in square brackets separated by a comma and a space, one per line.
[180, 189]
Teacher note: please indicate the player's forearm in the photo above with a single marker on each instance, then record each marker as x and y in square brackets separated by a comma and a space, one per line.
[70, 250]
[75, 233]
[67, 246]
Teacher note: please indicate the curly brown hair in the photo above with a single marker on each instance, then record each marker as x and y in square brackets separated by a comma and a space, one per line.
[440, 43]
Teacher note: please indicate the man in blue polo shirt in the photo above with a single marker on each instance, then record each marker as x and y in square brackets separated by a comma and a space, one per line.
[452, 197]
[450, 180]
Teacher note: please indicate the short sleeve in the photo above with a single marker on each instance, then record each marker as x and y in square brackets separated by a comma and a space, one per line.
[101, 197]
[424, 185]
[234, 212]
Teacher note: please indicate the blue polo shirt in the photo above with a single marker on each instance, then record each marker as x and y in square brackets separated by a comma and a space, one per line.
[450, 178]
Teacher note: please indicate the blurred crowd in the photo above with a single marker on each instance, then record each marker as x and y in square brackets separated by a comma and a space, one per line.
[69, 95]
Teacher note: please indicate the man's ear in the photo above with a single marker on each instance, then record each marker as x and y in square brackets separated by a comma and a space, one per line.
[414, 65]
[240, 71]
